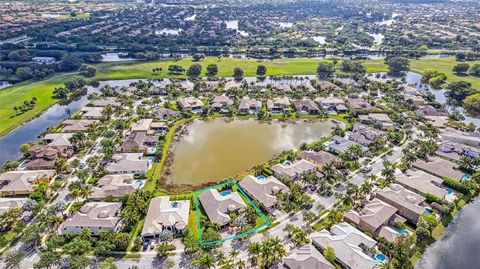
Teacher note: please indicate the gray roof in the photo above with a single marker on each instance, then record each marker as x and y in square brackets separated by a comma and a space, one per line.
[164, 213]
[305, 105]
[375, 213]
[9, 203]
[440, 168]
[340, 144]
[113, 185]
[320, 157]
[92, 112]
[127, 162]
[346, 241]
[263, 190]
[307, 257]
[95, 214]
[77, 125]
[23, 181]
[58, 139]
[295, 169]
[422, 182]
[217, 206]
[247, 103]
[106, 101]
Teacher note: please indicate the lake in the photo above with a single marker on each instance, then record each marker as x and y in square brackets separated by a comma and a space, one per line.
[215, 149]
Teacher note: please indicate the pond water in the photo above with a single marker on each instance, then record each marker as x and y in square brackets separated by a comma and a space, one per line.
[115, 57]
[30, 131]
[215, 149]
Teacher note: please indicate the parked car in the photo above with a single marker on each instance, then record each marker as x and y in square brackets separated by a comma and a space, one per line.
[367, 169]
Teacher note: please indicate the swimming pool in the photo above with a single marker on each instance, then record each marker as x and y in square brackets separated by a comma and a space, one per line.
[225, 193]
[449, 191]
[403, 231]
[466, 177]
[261, 177]
[427, 211]
[379, 258]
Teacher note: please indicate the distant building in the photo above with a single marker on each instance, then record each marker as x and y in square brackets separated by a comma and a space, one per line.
[43, 60]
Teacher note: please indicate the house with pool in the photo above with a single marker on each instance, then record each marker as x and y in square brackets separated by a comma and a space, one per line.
[191, 104]
[409, 204]
[128, 163]
[139, 142]
[441, 168]
[306, 106]
[115, 186]
[353, 248]
[165, 215]
[424, 183]
[249, 106]
[278, 105]
[217, 205]
[376, 217]
[263, 189]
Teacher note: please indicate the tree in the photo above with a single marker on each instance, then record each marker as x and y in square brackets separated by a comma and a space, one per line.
[329, 254]
[10, 165]
[88, 70]
[352, 66]
[205, 261]
[238, 73]
[459, 90]
[79, 262]
[212, 70]
[475, 70]
[69, 63]
[472, 104]
[461, 69]
[13, 259]
[254, 250]
[261, 71]
[325, 70]
[198, 56]
[48, 259]
[107, 264]
[401, 253]
[194, 70]
[397, 65]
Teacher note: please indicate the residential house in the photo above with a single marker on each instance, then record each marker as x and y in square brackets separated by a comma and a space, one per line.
[218, 205]
[23, 182]
[113, 186]
[352, 248]
[94, 113]
[141, 126]
[358, 104]
[43, 60]
[11, 203]
[45, 156]
[107, 101]
[95, 216]
[263, 189]
[231, 84]
[441, 168]
[306, 87]
[329, 86]
[165, 113]
[365, 135]
[373, 118]
[319, 158]
[407, 202]
[58, 139]
[306, 106]
[428, 110]
[466, 138]
[423, 183]
[165, 215]
[160, 88]
[283, 87]
[249, 106]
[306, 257]
[186, 85]
[278, 105]
[340, 144]
[139, 142]
[191, 104]
[455, 151]
[374, 218]
[128, 163]
[74, 126]
[331, 103]
[293, 170]
[222, 103]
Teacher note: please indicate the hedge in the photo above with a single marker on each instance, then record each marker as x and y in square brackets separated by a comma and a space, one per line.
[456, 185]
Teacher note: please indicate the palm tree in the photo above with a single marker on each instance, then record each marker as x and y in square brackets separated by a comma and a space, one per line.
[366, 187]
[85, 191]
[388, 171]
[241, 264]
[220, 258]
[254, 250]
[234, 254]
[206, 261]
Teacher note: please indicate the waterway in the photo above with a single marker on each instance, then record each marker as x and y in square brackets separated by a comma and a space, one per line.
[218, 148]
[11, 142]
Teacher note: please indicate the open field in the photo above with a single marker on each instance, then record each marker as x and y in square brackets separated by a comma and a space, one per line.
[42, 90]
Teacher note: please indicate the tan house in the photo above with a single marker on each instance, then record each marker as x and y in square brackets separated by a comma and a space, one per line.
[165, 215]
[114, 186]
[95, 216]
[218, 205]
[319, 158]
[306, 257]
[293, 170]
[74, 126]
[45, 156]
[23, 182]
[407, 202]
[263, 189]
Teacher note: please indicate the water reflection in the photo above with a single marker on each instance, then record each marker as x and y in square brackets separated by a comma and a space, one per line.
[217, 149]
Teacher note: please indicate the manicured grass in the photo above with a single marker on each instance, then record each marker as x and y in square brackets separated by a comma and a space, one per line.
[193, 223]
[15, 96]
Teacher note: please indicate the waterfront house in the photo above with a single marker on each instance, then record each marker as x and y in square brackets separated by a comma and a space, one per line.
[165, 215]
[358, 104]
[249, 106]
[113, 186]
[428, 110]
[293, 170]
[218, 205]
[373, 118]
[94, 113]
[440, 167]
[141, 126]
[466, 138]
[306, 106]
[407, 202]
[165, 113]
[283, 87]
[107, 101]
[340, 144]
[306, 257]
[278, 105]
[423, 183]
[191, 104]
[329, 103]
[45, 156]
[375, 218]
[352, 248]
[128, 163]
[95, 216]
[58, 139]
[74, 126]
[222, 103]
[329, 86]
[455, 151]
[139, 142]
[319, 158]
[263, 189]
[365, 135]
[23, 182]
[306, 87]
